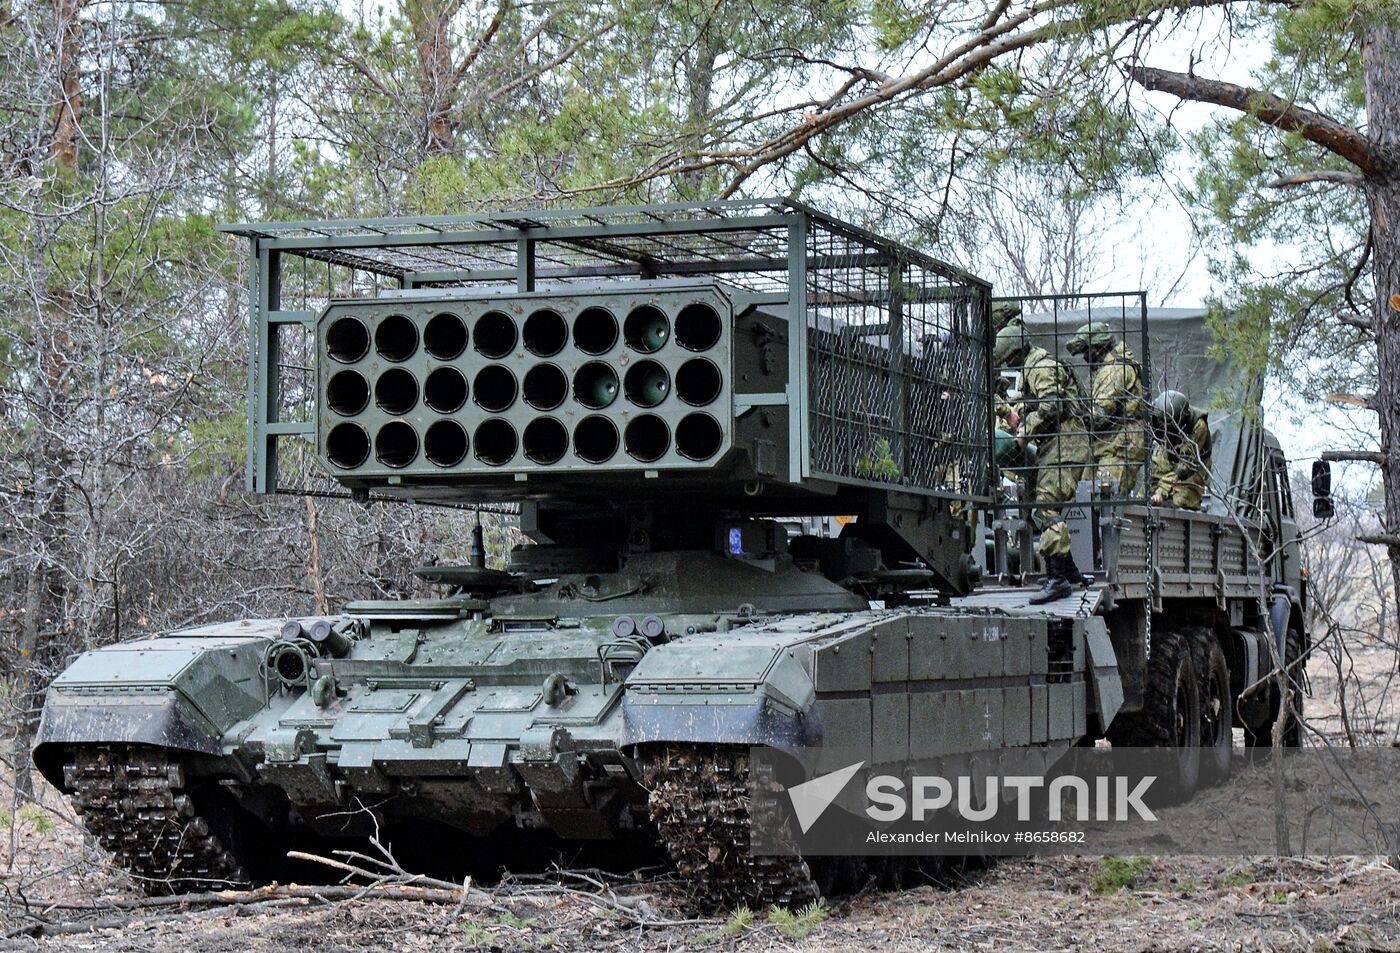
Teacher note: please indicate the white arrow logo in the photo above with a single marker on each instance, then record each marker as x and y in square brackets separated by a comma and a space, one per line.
[811, 798]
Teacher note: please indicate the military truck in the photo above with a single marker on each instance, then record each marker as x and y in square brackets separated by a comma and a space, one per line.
[751, 448]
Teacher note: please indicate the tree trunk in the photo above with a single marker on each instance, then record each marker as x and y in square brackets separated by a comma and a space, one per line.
[430, 21]
[700, 81]
[68, 102]
[1380, 56]
[44, 608]
[29, 639]
[313, 557]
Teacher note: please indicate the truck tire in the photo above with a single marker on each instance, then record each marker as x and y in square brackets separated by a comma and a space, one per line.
[1263, 736]
[1217, 736]
[1170, 716]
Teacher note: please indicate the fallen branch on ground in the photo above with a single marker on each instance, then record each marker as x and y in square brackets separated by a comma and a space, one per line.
[43, 928]
[229, 898]
[236, 902]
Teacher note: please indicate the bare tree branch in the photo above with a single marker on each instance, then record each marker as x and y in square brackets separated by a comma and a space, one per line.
[554, 62]
[995, 14]
[1356, 456]
[1361, 324]
[484, 40]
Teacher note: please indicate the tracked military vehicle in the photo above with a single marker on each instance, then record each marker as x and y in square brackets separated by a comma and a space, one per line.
[683, 402]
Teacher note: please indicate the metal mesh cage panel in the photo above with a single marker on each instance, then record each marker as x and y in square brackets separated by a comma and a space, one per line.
[894, 343]
[898, 385]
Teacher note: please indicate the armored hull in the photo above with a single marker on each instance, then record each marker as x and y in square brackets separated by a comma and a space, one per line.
[490, 717]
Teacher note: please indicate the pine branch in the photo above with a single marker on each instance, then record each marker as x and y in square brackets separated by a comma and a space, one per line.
[1327, 132]
[1353, 400]
[1361, 324]
[1002, 33]
[1331, 176]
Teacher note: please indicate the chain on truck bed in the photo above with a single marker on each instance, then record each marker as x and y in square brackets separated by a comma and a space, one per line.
[133, 800]
[699, 800]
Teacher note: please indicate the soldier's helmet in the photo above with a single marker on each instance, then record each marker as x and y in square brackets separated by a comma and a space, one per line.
[1171, 406]
[1094, 336]
[1011, 343]
[1003, 314]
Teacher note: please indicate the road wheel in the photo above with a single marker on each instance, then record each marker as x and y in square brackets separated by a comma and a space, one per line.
[1170, 716]
[1263, 736]
[1217, 739]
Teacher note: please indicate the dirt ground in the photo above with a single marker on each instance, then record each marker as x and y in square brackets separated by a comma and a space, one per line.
[57, 892]
[1015, 905]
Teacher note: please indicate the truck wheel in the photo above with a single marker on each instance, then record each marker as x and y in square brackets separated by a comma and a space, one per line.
[1263, 736]
[1170, 716]
[1217, 739]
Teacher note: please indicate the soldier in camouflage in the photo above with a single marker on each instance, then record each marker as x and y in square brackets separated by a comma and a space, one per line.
[1116, 403]
[1050, 405]
[1181, 458]
[1004, 315]
[1008, 416]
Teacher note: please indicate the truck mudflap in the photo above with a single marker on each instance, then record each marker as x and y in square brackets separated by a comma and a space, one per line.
[1280, 614]
[1103, 670]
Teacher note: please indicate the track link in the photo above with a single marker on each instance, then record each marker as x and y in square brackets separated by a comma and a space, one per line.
[132, 798]
[699, 801]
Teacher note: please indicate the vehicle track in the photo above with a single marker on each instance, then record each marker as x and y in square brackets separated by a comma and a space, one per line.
[699, 801]
[133, 799]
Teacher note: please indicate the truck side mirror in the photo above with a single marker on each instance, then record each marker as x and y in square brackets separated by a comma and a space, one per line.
[1323, 507]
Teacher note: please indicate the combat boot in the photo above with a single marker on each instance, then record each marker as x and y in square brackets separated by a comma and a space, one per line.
[1056, 586]
[1070, 571]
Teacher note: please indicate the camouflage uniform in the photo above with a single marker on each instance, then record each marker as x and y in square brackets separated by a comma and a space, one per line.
[1052, 420]
[1181, 465]
[1119, 444]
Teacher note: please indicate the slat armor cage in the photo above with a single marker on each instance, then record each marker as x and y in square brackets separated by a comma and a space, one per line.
[881, 354]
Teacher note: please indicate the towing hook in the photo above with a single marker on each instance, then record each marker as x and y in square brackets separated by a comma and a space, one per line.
[323, 691]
